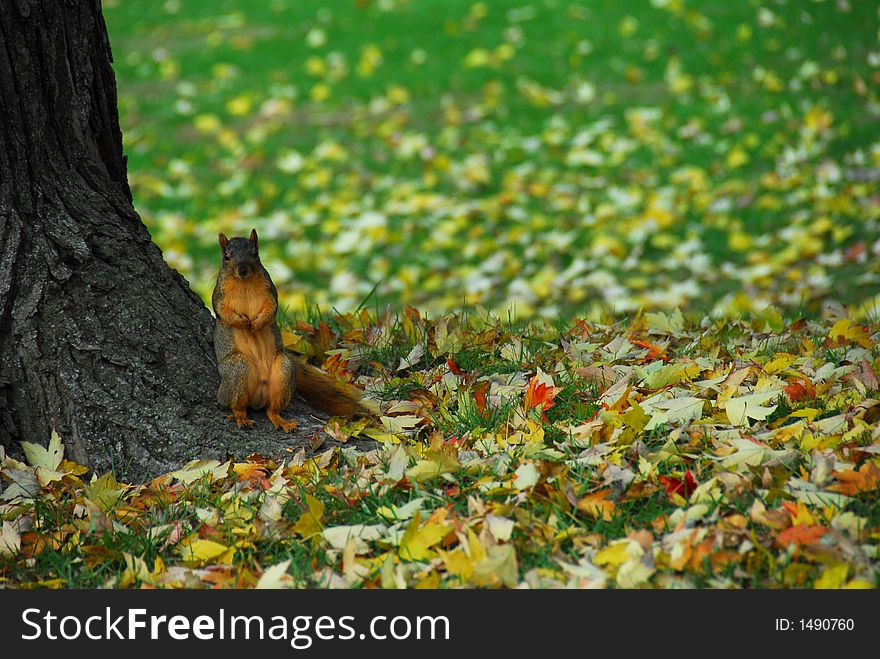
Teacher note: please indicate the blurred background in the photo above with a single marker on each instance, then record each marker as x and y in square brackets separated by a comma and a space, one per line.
[560, 157]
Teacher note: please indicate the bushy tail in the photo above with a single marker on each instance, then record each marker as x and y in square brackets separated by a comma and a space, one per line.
[326, 393]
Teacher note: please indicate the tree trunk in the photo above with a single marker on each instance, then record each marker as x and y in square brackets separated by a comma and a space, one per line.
[99, 339]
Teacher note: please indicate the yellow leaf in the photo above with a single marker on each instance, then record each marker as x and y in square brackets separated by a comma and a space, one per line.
[386, 438]
[635, 417]
[105, 492]
[859, 584]
[498, 566]
[740, 410]
[525, 477]
[843, 330]
[801, 515]
[435, 464]
[737, 158]
[416, 542]
[671, 374]
[457, 563]
[309, 523]
[809, 413]
[207, 123]
[204, 552]
[239, 106]
[47, 458]
[400, 423]
[614, 554]
[779, 364]
[136, 570]
[833, 577]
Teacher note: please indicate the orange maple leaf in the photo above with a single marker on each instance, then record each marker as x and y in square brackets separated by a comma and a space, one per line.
[867, 478]
[539, 394]
[802, 535]
[800, 388]
[655, 351]
[597, 505]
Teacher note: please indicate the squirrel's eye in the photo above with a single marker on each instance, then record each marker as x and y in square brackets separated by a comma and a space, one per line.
[225, 256]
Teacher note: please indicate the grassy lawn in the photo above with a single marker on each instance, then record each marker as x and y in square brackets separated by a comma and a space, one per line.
[554, 157]
[654, 453]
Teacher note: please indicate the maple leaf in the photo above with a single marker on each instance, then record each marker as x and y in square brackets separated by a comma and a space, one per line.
[201, 552]
[655, 351]
[276, 576]
[481, 391]
[417, 540]
[802, 535]
[683, 487]
[47, 458]
[800, 388]
[455, 368]
[249, 470]
[539, 393]
[598, 505]
[740, 410]
[337, 366]
[498, 567]
[867, 478]
[309, 523]
[844, 331]
[833, 577]
[435, 464]
[10, 540]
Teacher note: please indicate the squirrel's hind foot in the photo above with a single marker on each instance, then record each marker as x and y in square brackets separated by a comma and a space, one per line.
[280, 422]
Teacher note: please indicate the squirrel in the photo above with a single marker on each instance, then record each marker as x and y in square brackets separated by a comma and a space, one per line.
[256, 370]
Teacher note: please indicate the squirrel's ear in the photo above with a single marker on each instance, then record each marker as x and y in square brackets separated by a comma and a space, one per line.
[254, 236]
[223, 241]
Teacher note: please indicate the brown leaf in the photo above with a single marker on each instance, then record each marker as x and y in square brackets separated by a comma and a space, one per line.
[604, 376]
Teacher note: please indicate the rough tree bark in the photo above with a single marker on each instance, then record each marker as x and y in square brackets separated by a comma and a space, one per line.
[99, 338]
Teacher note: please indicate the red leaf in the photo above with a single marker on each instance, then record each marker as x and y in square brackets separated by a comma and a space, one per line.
[481, 390]
[672, 485]
[800, 388]
[677, 486]
[455, 368]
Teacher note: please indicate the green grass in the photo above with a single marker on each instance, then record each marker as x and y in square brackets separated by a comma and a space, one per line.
[556, 157]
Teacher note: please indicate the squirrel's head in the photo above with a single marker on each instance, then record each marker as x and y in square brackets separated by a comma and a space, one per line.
[240, 257]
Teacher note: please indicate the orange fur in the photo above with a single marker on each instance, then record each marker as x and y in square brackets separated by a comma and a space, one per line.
[279, 393]
[324, 392]
[248, 298]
